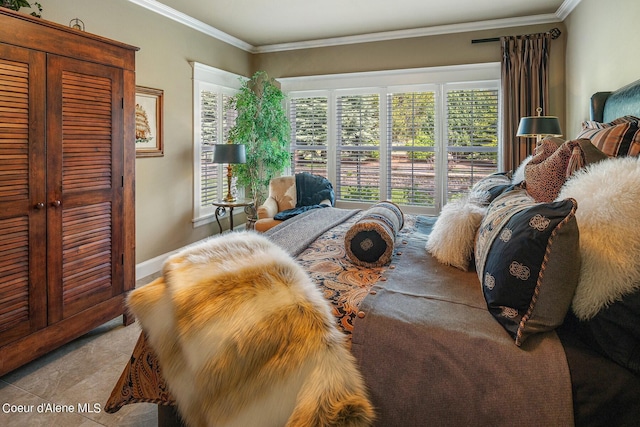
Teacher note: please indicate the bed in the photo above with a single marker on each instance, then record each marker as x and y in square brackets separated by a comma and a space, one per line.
[430, 350]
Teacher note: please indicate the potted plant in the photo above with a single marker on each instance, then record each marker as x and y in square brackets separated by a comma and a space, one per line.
[18, 4]
[262, 126]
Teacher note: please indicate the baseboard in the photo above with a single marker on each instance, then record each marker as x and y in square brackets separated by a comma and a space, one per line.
[154, 265]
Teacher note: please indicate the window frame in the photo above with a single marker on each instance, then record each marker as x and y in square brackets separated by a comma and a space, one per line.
[339, 147]
[207, 78]
[454, 86]
[385, 83]
[293, 146]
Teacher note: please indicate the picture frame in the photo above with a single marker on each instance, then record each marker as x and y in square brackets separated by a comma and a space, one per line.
[149, 115]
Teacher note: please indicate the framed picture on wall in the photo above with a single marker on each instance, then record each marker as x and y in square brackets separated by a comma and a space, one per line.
[149, 122]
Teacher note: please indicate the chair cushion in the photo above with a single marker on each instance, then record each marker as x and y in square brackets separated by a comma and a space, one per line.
[265, 224]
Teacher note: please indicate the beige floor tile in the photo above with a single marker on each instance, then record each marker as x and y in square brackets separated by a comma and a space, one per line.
[80, 376]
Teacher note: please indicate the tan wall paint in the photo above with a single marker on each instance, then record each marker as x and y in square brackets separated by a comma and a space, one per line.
[440, 50]
[602, 46]
[163, 184]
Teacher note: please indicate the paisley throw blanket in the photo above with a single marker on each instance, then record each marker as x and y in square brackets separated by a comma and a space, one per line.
[341, 282]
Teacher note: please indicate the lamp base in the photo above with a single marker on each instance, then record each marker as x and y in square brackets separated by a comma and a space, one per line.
[229, 198]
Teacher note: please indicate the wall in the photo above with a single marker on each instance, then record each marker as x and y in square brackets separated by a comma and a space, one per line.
[163, 184]
[602, 53]
[439, 50]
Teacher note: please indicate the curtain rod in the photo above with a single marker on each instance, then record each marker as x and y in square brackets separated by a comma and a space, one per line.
[555, 33]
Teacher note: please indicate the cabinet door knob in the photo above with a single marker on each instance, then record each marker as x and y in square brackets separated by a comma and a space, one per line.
[55, 203]
[39, 205]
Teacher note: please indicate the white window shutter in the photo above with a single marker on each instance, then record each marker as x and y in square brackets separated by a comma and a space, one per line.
[309, 132]
[411, 175]
[472, 137]
[209, 129]
[358, 148]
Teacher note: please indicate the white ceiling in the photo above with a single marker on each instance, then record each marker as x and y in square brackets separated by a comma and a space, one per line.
[260, 25]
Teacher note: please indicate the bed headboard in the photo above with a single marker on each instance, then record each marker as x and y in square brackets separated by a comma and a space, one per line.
[607, 106]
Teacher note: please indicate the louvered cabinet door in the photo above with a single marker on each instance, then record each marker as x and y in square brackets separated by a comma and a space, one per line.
[85, 185]
[22, 193]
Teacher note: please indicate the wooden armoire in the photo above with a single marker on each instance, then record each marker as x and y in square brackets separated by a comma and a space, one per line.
[67, 162]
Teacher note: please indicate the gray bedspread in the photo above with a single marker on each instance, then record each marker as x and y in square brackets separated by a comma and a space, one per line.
[432, 355]
[295, 234]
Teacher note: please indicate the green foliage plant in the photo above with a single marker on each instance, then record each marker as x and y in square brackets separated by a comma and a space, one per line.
[262, 126]
[18, 4]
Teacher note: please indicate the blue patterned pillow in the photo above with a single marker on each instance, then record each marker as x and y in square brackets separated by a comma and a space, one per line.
[528, 261]
[489, 187]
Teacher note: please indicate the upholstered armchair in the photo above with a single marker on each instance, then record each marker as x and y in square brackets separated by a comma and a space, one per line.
[291, 195]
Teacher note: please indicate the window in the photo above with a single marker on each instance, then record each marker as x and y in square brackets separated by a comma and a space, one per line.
[308, 118]
[212, 121]
[418, 137]
[411, 176]
[472, 135]
[215, 121]
[358, 148]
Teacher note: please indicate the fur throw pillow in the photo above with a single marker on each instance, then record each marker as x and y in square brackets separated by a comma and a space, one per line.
[607, 194]
[452, 238]
[245, 338]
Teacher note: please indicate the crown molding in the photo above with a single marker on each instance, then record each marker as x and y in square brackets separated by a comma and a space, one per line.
[566, 8]
[197, 25]
[563, 11]
[418, 32]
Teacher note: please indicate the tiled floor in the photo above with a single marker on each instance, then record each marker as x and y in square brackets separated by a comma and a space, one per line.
[79, 375]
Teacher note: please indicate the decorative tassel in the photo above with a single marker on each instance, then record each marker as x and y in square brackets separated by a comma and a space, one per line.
[576, 161]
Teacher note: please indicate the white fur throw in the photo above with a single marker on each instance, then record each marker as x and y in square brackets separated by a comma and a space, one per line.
[244, 338]
[608, 196]
[518, 175]
[452, 238]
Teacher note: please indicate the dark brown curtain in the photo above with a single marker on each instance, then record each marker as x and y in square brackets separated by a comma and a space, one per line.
[525, 70]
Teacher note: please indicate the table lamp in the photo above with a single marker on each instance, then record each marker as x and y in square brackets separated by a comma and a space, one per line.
[539, 126]
[229, 153]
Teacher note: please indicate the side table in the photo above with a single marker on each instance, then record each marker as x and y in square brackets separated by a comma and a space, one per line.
[222, 206]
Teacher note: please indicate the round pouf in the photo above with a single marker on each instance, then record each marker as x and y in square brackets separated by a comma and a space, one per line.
[370, 240]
